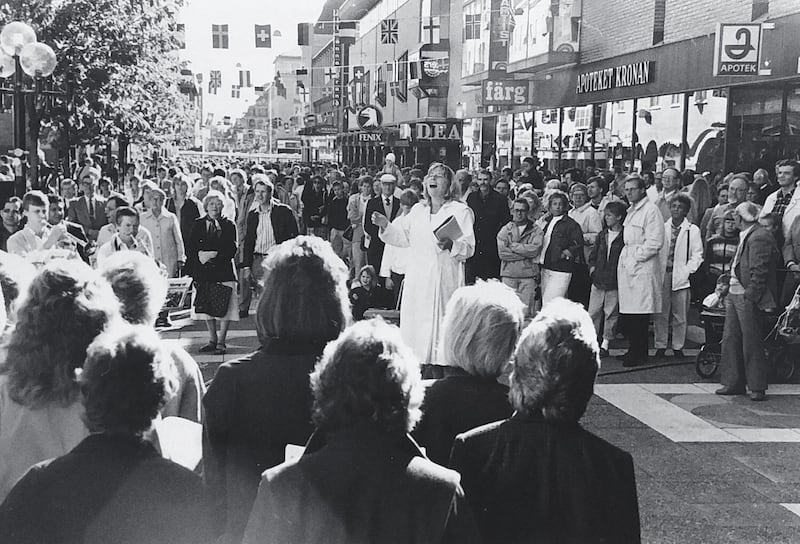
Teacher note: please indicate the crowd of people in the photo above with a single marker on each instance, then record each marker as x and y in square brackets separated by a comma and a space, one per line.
[461, 426]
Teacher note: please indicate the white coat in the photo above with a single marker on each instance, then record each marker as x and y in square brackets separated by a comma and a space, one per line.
[640, 273]
[432, 275]
[688, 253]
[791, 212]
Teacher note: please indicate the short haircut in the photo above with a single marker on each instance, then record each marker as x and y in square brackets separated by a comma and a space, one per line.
[524, 201]
[305, 297]
[367, 376]
[557, 194]
[55, 199]
[579, 187]
[408, 198]
[13, 200]
[454, 189]
[238, 172]
[790, 162]
[125, 211]
[263, 179]
[416, 184]
[211, 195]
[118, 200]
[34, 198]
[137, 283]
[482, 323]
[617, 208]
[529, 160]
[128, 377]
[636, 178]
[160, 192]
[684, 199]
[65, 307]
[556, 363]
[365, 179]
[485, 172]
[748, 211]
[463, 177]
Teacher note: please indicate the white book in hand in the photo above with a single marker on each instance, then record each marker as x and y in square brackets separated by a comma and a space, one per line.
[448, 230]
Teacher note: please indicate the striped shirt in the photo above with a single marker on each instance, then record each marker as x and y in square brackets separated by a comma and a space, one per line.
[265, 237]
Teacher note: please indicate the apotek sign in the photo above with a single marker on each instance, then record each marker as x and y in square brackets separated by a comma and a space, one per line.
[736, 49]
[499, 92]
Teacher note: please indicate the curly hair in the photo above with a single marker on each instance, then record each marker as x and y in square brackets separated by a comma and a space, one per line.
[481, 327]
[556, 363]
[138, 284]
[128, 377]
[15, 275]
[305, 296]
[67, 305]
[454, 189]
[367, 375]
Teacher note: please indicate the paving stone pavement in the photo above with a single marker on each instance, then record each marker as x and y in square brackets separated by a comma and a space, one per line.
[744, 491]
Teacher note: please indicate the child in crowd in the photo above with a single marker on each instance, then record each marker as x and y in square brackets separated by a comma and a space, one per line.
[368, 294]
[716, 300]
[603, 260]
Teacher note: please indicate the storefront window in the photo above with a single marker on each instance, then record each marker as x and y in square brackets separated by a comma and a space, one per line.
[523, 124]
[504, 128]
[659, 132]
[471, 151]
[792, 130]
[545, 138]
[614, 128]
[755, 130]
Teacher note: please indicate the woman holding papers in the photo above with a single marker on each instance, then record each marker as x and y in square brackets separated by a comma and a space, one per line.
[439, 233]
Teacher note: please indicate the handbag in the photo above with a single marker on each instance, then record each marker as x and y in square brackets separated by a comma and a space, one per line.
[348, 233]
[212, 298]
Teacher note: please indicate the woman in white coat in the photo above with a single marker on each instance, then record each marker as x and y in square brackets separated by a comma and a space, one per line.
[640, 273]
[436, 267]
[681, 255]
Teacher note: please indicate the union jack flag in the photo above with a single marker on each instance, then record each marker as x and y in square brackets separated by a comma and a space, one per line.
[389, 31]
[214, 81]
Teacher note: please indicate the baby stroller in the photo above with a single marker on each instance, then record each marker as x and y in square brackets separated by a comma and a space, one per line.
[784, 330]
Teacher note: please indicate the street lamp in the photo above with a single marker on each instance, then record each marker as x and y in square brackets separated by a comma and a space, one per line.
[20, 54]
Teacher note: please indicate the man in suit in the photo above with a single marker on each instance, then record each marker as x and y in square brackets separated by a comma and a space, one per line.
[89, 210]
[753, 290]
[55, 216]
[269, 223]
[387, 205]
[491, 215]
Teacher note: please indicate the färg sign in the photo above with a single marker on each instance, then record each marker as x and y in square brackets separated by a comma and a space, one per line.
[499, 92]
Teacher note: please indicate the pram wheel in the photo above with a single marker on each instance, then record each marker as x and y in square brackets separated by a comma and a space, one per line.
[706, 362]
[782, 364]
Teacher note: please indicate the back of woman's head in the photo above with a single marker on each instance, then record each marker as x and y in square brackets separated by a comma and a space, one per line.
[66, 306]
[555, 363]
[482, 324]
[128, 377]
[138, 284]
[305, 297]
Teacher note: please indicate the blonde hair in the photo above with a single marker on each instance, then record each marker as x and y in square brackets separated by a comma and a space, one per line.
[482, 324]
[453, 191]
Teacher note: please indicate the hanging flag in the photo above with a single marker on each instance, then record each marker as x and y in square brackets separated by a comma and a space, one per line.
[302, 92]
[389, 31]
[244, 78]
[280, 89]
[214, 81]
[330, 74]
[472, 27]
[199, 78]
[236, 91]
[219, 36]
[431, 30]
[263, 35]
[303, 34]
[358, 72]
[348, 31]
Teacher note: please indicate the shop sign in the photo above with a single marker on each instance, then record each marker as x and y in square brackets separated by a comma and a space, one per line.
[446, 130]
[369, 117]
[370, 137]
[499, 92]
[627, 75]
[736, 49]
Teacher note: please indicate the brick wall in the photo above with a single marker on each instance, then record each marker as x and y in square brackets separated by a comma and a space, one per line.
[613, 28]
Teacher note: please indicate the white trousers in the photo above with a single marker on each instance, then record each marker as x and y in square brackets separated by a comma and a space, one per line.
[554, 284]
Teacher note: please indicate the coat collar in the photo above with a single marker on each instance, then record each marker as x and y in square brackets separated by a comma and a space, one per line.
[362, 434]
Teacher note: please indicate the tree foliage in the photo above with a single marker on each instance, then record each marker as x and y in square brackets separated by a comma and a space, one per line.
[118, 61]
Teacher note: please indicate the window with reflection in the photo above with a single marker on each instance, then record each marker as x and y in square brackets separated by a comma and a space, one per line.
[504, 129]
[659, 133]
[755, 130]
[471, 148]
[523, 127]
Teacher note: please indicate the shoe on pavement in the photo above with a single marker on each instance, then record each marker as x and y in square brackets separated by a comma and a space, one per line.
[730, 390]
[660, 352]
[757, 396]
[243, 314]
[221, 349]
[208, 348]
[678, 354]
[603, 352]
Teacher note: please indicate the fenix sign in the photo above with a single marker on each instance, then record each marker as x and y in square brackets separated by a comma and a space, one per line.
[505, 92]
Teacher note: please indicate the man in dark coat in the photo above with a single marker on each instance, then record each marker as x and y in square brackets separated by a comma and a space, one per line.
[385, 204]
[55, 215]
[491, 214]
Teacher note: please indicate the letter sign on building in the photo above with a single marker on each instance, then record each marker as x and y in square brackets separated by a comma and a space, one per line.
[736, 49]
[508, 92]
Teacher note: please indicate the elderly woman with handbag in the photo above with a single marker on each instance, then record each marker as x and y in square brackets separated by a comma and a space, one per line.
[210, 253]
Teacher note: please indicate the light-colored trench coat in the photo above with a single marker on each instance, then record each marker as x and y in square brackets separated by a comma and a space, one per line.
[640, 273]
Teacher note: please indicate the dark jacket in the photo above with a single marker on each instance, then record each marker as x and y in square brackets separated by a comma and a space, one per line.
[756, 268]
[220, 268]
[454, 405]
[77, 231]
[284, 227]
[109, 488]
[314, 205]
[4, 236]
[362, 300]
[361, 486]
[529, 480]
[254, 407]
[376, 245]
[605, 263]
[491, 215]
[189, 212]
[567, 234]
[337, 214]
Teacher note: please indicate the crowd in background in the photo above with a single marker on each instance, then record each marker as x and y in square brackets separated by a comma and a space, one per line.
[481, 265]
